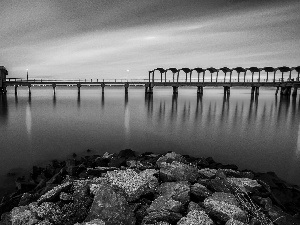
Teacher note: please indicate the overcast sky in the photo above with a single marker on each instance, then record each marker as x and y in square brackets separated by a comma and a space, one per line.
[125, 39]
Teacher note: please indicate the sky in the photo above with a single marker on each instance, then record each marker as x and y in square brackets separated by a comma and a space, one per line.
[114, 39]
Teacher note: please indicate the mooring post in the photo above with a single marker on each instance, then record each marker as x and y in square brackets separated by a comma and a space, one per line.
[294, 91]
[126, 85]
[16, 89]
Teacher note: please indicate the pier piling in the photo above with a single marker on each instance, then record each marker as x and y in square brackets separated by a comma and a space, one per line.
[294, 91]
[16, 89]
[102, 86]
[175, 89]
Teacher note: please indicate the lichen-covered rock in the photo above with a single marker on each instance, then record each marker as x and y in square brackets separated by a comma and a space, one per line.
[177, 171]
[196, 217]
[207, 173]
[159, 216]
[224, 207]
[163, 203]
[199, 192]
[55, 192]
[22, 215]
[179, 191]
[244, 184]
[234, 222]
[169, 158]
[110, 205]
[134, 184]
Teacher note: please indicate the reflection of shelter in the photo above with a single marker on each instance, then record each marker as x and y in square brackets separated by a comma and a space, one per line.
[240, 70]
[3, 74]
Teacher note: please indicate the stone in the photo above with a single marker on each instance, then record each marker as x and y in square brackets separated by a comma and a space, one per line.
[177, 171]
[162, 216]
[65, 197]
[98, 171]
[238, 174]
[134, 184]
[224, 206]
[194, 206]
[22, 215]
[101, 162]
[218, 185]
[163, 203]
[95, 222]
[49, 211]
[127, 153]
[55, 192]
[179, 191]
[199, 192]
[169, 158]
[117, 162]
[207, 173]
[26, 199]
[245, 184]
[44, 222]
[110, 205]
[196, 217]
[234, 222]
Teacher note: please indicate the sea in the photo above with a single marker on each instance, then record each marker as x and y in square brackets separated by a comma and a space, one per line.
[259, 133]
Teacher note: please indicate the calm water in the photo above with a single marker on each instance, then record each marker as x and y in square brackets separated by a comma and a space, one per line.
[262, 134]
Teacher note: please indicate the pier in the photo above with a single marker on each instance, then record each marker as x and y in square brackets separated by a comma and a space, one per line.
[285, 85]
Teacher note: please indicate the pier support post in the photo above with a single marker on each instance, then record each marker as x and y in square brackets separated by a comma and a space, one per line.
[16, 89]
[54, 88]
[146, 88]
[29, 89]
[102, 86]
[200, 90]
[175, 89]
[295, 91]
[277, 89]
[252, 90]
[287, 91]
[78, 86]
[282, 90]
[126, 88]
[226, 90]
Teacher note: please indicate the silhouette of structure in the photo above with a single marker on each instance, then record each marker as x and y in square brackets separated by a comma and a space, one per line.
[285, 85]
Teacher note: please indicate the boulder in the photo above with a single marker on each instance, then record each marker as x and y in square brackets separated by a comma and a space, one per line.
[49, 211]
[236, 173]
[199, 192]
[101, 162]
[178, 171]
[245, 184]
[22, 215]
[224, 206]
[95, 222]
[169, 158]
[134, 184]
[207, 173]
[110, 205]
[234, 222]
[55, 192]
[98, 171]
[163, 203]
[162, 216]
[196, 217]
[179, 191]
[217, 185]
[127, 153]
[194, 206]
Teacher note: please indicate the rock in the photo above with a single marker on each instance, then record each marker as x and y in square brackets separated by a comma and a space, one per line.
[65, 197]
[194, 206]
[163, 203]
[5, 219]
[162, 216]
[117, 162]
[127, 153]
[177, 171]
[234, 222]
[134, 184]
[101, 162]
[245, 184]
[111, 206]
[25, 185]
[279, 217]
[179, 191]
[199, 192]
[49, 211]
[52, 194]
[224, 206]
[196, 217]
[207, 173]
[169, 158]
[141, 212]
[44, 222]
[202, 163]
[230, 166]
[98, 171]
[26, 199]
[95, 222]
[22, 215]
[217, 185]
[56, 179]
[236, 173]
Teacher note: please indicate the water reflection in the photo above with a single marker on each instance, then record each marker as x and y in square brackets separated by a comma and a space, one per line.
[127, 120]
[28, 119]
[3, 108]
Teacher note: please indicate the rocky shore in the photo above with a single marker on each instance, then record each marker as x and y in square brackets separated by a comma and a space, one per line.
[128, 189]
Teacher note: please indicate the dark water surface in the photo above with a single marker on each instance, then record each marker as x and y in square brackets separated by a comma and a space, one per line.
[261, 134]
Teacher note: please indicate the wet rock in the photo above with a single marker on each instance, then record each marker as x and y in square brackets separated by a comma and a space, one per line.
[169, 158]
[207, 173]
[236, 173]
[217, 185]
[163, 203]
[179, 191]
[177, 171]
[245, 184]
[199, 192]
[127, 153]
[134, 184]
[111, 206]
[52, 194]
[224, 206]
[162, 216]
[196, 217]
[22, 215]
[234, 222]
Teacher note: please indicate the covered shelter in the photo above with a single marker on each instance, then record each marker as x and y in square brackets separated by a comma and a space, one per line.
[173, 70]
[213, 70]
[3, 74]
[200, 70]
[240, 70]
[225, 71]
[270, 70]
[285, 69]
[255, 70]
